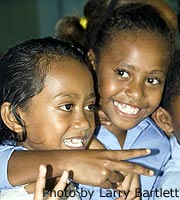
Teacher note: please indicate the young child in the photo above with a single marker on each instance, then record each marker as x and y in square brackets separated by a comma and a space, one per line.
[44, 105]
[151, 79]
[132, 52]
[47, 103]
[167, 117]
[96, 10]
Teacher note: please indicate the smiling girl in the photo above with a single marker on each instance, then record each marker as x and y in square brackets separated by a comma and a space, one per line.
[131, 52]
[44, 106]
[47, 108]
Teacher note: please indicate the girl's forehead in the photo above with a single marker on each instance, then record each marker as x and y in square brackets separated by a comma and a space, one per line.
[134, 35]
[127, 39]
[68, 66]
[138, 50]
[64, 62]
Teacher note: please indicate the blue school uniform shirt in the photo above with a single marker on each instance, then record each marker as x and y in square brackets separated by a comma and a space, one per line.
[169, 183]
[5, 153]
[145, 135]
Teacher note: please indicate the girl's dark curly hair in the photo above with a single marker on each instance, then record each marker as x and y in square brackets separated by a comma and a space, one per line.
[172, 85]
[133, 19]
[22, 72]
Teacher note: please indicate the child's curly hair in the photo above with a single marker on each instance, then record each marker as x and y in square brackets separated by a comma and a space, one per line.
[172, 86]
[22, 73]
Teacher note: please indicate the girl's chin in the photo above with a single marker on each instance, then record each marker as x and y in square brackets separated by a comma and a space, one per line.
[125, 124]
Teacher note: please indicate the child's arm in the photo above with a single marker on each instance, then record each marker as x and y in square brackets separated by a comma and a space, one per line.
[101, 164]
[41, 181]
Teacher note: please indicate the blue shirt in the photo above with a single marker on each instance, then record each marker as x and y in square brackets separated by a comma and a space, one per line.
[145, 135]
[5, 153]
[169, 183]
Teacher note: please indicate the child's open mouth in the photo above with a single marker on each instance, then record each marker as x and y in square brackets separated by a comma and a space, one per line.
[75, 142]
[127, 109]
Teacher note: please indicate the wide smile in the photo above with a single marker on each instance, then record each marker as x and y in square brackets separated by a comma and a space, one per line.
[76, 142]
[127, 109]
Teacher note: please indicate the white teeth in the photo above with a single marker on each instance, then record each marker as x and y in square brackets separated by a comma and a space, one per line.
[73, 142]
[126, 108]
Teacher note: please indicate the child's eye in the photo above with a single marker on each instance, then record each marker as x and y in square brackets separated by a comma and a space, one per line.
[90, 108]
[122, 73]
[66, 107]
[153, 81]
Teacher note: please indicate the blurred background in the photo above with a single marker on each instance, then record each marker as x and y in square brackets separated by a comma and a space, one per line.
[25, 19]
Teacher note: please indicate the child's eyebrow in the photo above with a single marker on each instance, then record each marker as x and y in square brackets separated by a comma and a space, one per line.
[92, 95]
[126, 65]
[158, 71]
[72, 95]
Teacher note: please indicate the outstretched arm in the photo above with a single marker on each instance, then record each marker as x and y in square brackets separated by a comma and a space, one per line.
[101, 164]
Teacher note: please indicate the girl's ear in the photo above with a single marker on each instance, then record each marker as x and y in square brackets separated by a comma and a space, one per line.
[163, 120]
[91, 57]
[9, 119]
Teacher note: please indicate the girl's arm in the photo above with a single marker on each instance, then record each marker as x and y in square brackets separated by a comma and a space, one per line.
[101, 164]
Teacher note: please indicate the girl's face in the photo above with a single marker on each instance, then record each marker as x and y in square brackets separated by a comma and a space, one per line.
[61, 116]
[131, 75]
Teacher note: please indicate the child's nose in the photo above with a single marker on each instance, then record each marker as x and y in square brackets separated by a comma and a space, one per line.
[135, 91]
[81, 122]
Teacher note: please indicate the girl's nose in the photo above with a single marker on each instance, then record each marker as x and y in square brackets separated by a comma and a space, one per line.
[81, 122]
[135, 91]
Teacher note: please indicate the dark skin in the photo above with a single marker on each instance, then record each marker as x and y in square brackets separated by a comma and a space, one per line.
[101, 164]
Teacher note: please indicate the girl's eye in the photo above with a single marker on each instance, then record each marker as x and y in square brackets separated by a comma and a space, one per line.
[66, 107]
[122, 73]
[153, 81]
[91, 107]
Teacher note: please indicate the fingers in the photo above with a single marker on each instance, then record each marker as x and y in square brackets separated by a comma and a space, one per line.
[115, 177]
[108, 179]
[128, 187]
[60, 185]
[126, 184]
[134, 186]
[133, 153]
[118, 162]
[40, 183]
[132, 168]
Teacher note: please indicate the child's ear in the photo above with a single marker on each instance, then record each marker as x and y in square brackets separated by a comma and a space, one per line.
[9, 119]
[163, 120]
[91, 56]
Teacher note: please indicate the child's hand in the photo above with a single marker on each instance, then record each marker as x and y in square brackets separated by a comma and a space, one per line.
[128, 187]
[41, 181]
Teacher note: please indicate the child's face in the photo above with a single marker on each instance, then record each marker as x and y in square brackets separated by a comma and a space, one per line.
[175, 118]
[61, 116]
[131, 75]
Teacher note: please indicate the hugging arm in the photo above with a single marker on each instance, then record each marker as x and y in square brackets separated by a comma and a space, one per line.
[101, 164]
